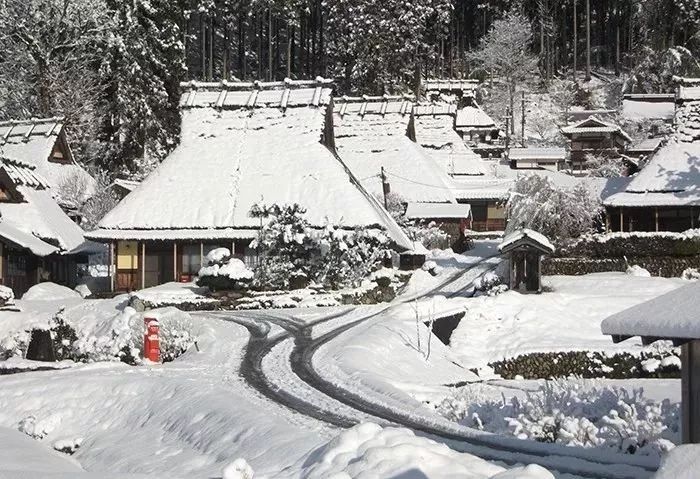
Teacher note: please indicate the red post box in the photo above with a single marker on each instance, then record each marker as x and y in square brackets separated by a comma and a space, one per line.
[151, 343]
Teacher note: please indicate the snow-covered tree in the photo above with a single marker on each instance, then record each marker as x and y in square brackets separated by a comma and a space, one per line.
[535, 202]
[655, 72]
[376, 47]
[505, 51]
[100, 203]
[284, 246]
[144, 66]
[602, 166]
[563, 93]
[47, 65]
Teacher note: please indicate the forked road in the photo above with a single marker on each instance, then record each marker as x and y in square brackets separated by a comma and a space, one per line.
[299, 386]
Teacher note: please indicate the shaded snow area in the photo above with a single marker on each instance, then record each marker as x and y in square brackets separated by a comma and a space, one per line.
[188, 418]
[566, 317]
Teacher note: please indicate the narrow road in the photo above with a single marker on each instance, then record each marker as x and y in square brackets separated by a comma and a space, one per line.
[325, 399]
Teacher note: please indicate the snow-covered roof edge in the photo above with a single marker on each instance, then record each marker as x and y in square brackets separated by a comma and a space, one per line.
[523, 234]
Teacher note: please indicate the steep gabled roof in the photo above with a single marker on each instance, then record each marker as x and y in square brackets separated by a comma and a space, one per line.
[434, 130]
[671, 178]
[234, 154]
[472, 116]
[33, 141]
[35, 221]
[593, 124]
[526, 237]
[371, 134]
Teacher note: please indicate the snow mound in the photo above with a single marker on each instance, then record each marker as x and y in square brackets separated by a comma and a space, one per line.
[217, 255]
[636, 270]
[682, 462]
[7, 296]
[238, 469]
[83, 290]
[49, 292]
[368, 450]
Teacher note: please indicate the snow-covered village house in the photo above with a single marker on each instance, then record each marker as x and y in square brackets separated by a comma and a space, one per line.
[376, 138]
[40, 184]
[594, 136]
[241, 144]
[663, 196]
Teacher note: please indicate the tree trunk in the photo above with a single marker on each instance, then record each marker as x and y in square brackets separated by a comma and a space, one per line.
[225, 58]
[269, 45]
[210, 71]
[290, 37]
[588, 40]
[203, 44]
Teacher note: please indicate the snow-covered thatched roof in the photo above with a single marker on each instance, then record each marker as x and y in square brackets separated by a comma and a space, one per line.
[36, 142]
[671, 178]
[31, 218]
[473, 117]
[434, 130]
[639, 109]
[673, 315]
[526, 237]
[373, 134]
[646, 145]
[593, 124]
[233, 156]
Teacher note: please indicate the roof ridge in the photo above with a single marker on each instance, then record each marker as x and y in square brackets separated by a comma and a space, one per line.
[366, 98]
[287, 83]
[34, 121]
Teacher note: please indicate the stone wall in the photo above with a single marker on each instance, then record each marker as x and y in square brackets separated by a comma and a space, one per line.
[666, 266]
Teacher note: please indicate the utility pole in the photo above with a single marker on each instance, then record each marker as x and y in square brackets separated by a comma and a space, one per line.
[386, 189]
[588, 40]
[508, 119]
[522, 110]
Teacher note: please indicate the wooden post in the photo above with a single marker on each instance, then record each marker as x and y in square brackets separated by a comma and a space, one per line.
[607, 221]
[622, 221]
[175, 261]
[201, 254]
[656, 218]
[112, 267]
[690, 392]
[143, 264]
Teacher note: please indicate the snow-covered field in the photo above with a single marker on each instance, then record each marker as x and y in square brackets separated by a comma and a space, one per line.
[196, 415]
[567, 316]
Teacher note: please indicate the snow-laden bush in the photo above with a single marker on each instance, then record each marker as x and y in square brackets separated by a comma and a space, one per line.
[535, 202]
[490, 284]
[223, 271]
[570, 413]
[428, 234]
[293, 254]
[7, 296]
[690, 274]
[49, 292]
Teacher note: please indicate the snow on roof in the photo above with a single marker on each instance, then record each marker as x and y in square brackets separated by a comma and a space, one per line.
[450, 84]
[513, 240]
[230, 159]
[36, 221]
[32, 142]
[537, 154]
[472, 116]
[373, 105]
[436, 135]
[593, 124]
[438, 210]
[368, 142]
[283, 94]
[129, 185]
[671, 315]
[175, 234]
[687, 93]
[484, 189]
[646, 145]
[11, 232]
[671, 178]
[660, 97]
[648, 110]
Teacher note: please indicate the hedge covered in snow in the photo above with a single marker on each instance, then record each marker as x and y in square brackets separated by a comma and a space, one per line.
[568, 413]
[618, 245]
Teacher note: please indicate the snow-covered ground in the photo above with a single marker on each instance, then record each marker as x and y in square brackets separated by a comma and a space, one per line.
[566, 317]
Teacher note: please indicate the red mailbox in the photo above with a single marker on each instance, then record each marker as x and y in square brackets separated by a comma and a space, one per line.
[151, 344]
